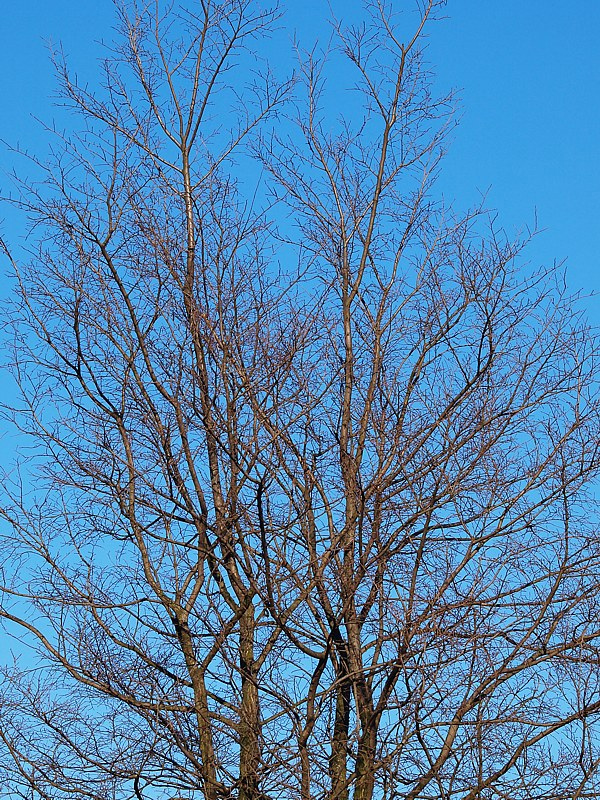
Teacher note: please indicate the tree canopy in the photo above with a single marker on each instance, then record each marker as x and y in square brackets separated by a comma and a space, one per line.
[309, 508]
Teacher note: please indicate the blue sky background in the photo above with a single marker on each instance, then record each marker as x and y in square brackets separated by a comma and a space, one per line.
[528, 75]
[530, 133]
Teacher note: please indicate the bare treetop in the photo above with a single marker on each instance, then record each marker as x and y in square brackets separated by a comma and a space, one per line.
[310, 513]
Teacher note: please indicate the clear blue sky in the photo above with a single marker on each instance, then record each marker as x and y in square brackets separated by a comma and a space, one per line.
[528, 72]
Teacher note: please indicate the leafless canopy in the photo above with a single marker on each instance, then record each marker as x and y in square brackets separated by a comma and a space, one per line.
[309, 514]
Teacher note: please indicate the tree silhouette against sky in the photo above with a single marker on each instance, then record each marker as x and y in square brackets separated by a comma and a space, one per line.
[306, 506]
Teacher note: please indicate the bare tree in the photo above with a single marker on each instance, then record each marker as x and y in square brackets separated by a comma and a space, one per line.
[310, 513]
